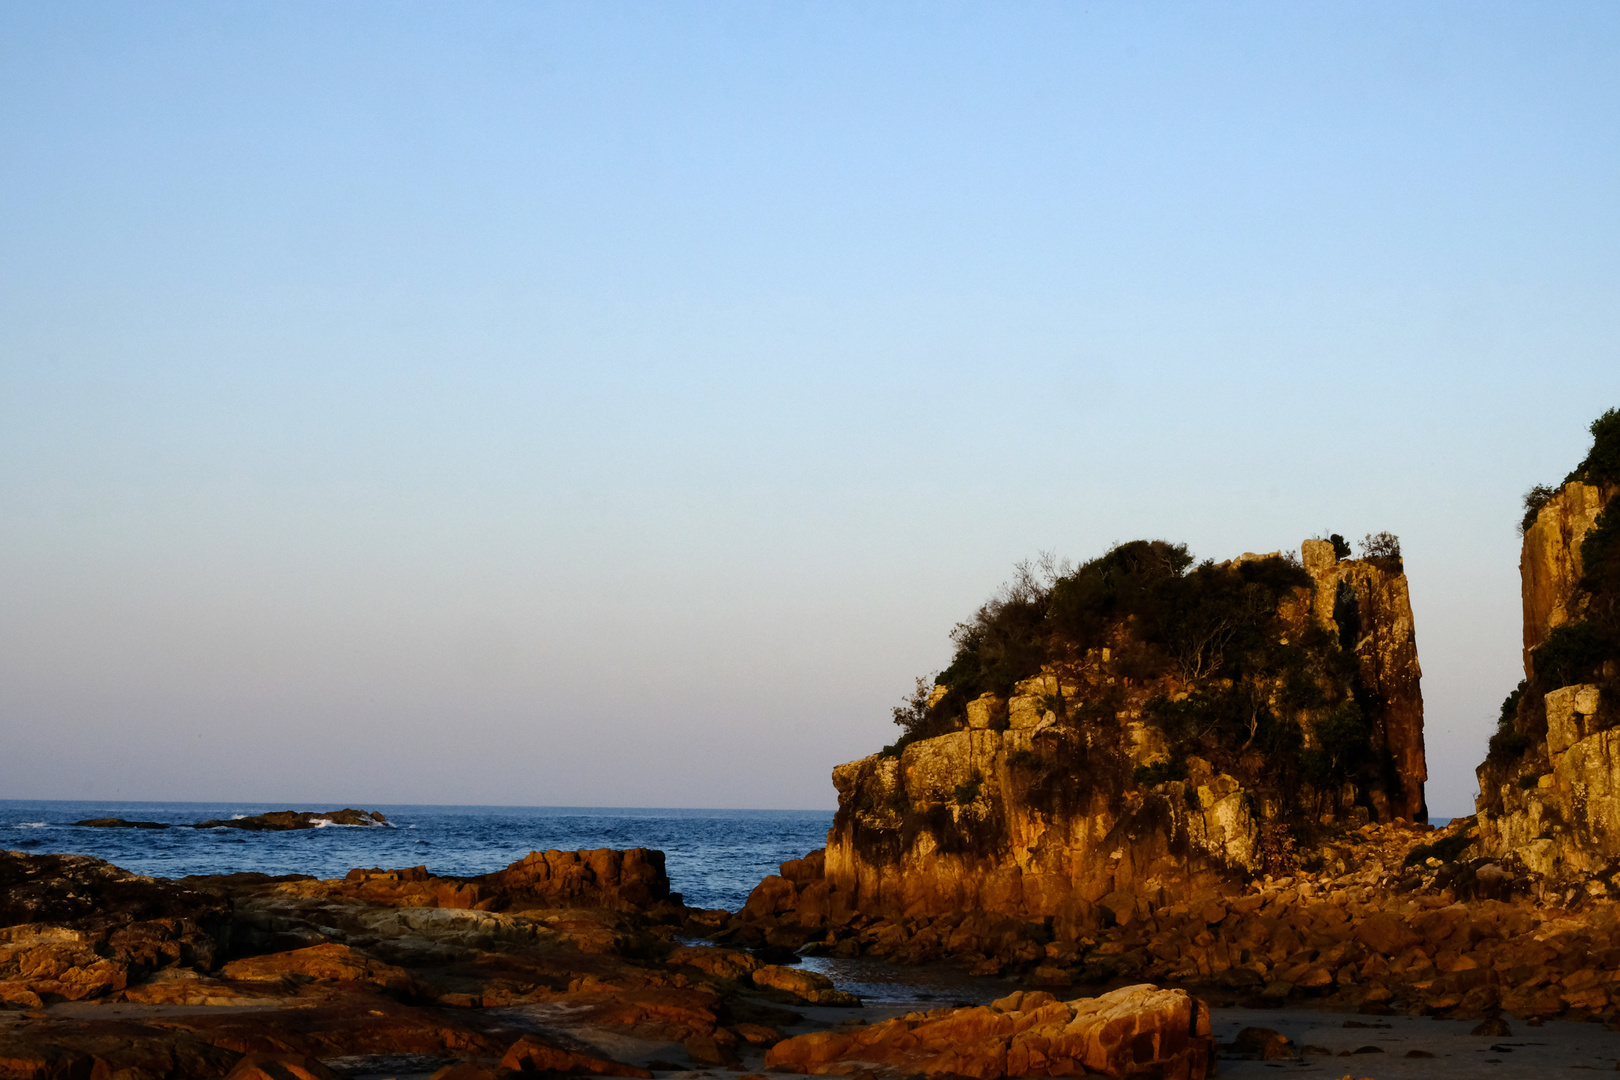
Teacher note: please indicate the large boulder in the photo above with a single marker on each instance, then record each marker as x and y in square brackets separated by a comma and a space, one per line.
[1133, 1031]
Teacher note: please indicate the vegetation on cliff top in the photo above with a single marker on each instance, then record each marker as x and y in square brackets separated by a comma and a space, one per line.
[1236, 682]
[1200, 621]
[1602, 463]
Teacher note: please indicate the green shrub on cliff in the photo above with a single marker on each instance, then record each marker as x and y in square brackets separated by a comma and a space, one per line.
[1573, 653]
[1509, 743]
[1257, 691]
[1204, 620]
[1340, 747]
[1384, 547]
[1602, 463]
[1600, 574]
[1534, 499]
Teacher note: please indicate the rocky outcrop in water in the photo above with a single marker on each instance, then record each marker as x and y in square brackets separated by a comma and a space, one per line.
[274, 821]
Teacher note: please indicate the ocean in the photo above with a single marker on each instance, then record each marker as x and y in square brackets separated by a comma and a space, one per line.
[714, 857]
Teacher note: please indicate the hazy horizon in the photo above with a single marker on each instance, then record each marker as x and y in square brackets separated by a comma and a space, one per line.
[617, 404]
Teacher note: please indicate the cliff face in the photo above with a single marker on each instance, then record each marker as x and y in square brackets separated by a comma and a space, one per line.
[1385, 648]
[980, 820]
[1550, 562]
[1550, 790]
[1094, 792]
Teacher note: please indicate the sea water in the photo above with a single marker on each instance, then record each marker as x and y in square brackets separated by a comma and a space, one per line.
[713, 857]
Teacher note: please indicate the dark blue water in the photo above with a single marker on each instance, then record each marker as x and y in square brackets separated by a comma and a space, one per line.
[714, 857]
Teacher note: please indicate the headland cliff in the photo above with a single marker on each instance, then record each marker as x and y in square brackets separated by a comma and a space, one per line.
[1111, 738]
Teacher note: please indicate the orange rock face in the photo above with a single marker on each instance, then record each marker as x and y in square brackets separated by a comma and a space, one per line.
[1070, 803]
[1386, 655]
[1550, 560]
[1549, 799]
[330, 962]
[1133, 1031]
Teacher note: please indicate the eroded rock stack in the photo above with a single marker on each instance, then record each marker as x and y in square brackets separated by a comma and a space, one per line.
[1549, 798]
[1140, 770]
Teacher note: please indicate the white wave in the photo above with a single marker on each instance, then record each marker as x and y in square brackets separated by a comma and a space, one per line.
[33, 824]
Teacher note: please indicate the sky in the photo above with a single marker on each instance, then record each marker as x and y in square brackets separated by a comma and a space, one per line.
[616, 404]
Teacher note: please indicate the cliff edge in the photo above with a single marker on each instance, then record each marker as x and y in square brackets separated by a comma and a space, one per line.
[1549, 797]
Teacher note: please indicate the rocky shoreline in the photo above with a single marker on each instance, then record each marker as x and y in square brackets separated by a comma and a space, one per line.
[563, 963]
[1397, 929]
[586, 962]
[1142, 792]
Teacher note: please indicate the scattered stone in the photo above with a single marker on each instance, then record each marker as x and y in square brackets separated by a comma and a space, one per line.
[1260, 1043]
[533, 1054]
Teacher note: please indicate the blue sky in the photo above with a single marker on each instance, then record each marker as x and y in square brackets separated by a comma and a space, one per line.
[616, 404]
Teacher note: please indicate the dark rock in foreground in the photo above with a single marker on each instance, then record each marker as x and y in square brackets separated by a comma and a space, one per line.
[207, 970]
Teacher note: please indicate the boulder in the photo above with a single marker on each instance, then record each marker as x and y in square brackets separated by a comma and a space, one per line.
[1133, 1031]
[625, 880]
[805, 985]
[330, 962]
[280, 1067]
[534, 1054]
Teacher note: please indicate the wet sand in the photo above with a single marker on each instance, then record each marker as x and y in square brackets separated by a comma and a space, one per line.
[1557, 1048]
